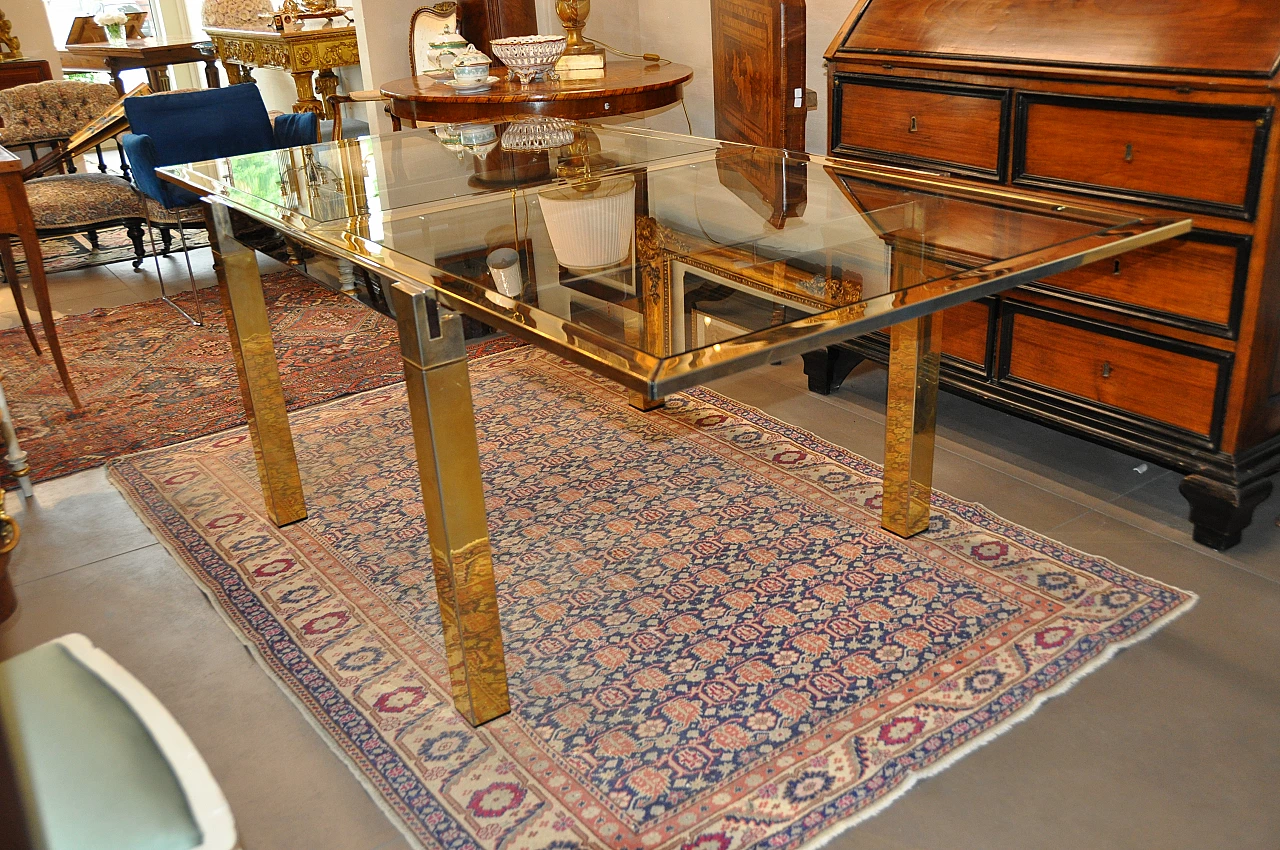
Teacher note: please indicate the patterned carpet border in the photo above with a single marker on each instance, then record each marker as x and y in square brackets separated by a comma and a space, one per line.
[380, 765]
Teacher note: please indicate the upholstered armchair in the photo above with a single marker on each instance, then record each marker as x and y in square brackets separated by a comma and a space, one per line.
[49, 113]
[193, 126]
[103, 762]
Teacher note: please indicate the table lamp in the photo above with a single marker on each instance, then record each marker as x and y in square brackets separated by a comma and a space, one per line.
[573, 17]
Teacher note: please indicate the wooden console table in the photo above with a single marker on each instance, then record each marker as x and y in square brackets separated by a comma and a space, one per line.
[155, 55]
[301, 52]
[625, 88]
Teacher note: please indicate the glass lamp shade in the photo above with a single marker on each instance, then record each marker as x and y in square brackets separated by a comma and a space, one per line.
[594, 229]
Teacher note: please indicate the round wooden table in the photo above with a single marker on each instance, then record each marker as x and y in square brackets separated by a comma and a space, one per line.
[626, 87]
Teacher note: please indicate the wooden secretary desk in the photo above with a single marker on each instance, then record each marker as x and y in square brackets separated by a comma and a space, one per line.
[1171, 353]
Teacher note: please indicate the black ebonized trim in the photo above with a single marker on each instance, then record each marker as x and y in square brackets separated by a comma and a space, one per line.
[998, 174]
[1253, 464]
[1231, 330]
[1246, 211]
[1084, 408]
[844, 51]
[985, 370]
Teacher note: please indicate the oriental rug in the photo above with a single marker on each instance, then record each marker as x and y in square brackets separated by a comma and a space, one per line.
[711, 643]
[147, 378]
[64, 253]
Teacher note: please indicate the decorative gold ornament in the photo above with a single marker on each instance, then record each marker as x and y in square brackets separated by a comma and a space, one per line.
[8, 40]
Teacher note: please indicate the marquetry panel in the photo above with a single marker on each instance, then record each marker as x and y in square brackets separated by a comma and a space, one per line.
[758, 48]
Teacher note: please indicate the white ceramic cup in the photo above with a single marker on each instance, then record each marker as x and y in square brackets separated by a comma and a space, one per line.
[504, 265]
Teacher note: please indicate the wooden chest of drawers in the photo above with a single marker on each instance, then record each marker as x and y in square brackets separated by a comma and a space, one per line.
[1171, 353]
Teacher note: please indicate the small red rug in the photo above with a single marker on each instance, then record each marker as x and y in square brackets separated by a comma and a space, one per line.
[711, 643]
[148, 378]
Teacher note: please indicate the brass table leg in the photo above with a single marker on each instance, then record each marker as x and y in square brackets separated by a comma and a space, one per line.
[911, 416]
[643, 403]
[444, 436]
[259, 373]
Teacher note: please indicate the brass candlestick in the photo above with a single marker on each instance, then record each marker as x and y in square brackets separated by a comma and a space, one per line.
[573, 17]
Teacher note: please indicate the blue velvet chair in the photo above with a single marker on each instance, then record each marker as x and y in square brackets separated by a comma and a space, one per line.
[192, 126]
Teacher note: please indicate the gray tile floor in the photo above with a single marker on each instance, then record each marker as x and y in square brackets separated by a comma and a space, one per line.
[1173, 744]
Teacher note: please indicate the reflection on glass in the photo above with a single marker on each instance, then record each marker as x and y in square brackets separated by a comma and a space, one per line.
[590, 223]
[654, 251]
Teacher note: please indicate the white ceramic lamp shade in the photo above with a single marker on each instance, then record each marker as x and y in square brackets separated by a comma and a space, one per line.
[591, 230]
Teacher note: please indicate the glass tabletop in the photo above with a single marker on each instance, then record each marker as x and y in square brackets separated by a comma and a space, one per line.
[660, 260]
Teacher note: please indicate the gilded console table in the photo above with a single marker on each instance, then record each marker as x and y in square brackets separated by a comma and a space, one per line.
[310, 55]
[612, 232]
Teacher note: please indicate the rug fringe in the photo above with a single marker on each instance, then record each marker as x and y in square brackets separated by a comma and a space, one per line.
[1001, 728]
[171, 547]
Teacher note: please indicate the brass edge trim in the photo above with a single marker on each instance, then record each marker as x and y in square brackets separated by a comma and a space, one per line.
[803, 335]
[631, 368]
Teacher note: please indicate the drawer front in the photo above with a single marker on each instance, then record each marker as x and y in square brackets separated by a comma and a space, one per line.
[1162, 381]
[965, 333]
[961, 129]
[1196, 157]
[1195, 282]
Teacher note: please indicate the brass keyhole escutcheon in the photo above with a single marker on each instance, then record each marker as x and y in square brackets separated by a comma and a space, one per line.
[1106, 369]
[914, 127]
[1116, 270]
[1128, 153]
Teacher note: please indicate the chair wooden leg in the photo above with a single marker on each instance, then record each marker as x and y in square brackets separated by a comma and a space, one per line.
[93, 239]
[15, 285]
[134, 229]
[35, 267]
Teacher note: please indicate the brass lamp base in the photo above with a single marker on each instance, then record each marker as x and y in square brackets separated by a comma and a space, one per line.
[573, 17]
[576, 45]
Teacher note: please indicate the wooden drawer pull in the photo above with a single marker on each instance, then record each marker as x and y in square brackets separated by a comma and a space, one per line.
[1106, 369]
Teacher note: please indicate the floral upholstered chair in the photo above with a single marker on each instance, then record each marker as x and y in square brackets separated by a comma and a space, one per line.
[49, 113]
[82, 203]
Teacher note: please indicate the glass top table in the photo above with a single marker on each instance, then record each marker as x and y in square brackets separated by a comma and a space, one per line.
[657, 260]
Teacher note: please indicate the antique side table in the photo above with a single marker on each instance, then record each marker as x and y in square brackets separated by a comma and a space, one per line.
[155, 55]
[626, 87]
[639, 262]
[309, 55]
